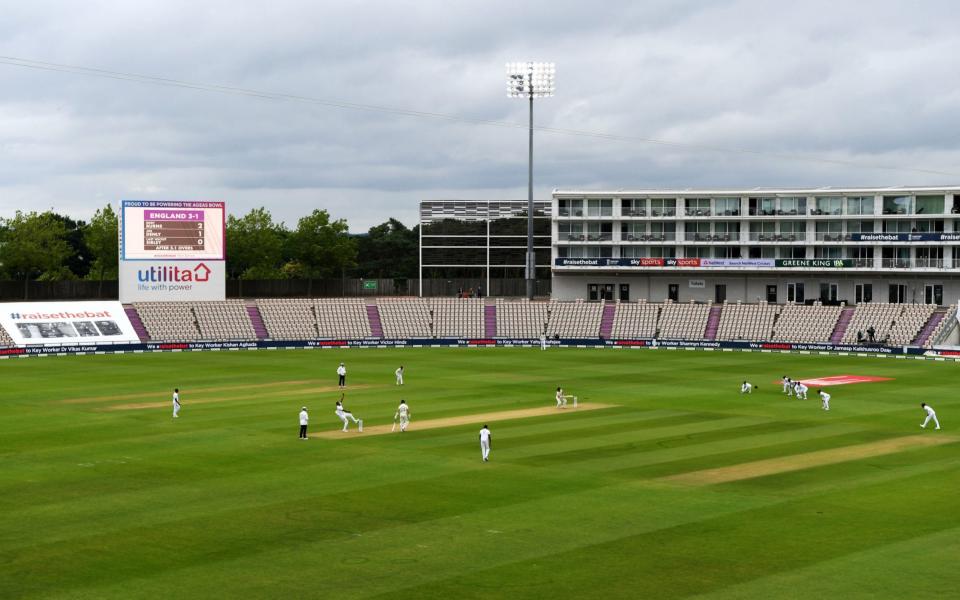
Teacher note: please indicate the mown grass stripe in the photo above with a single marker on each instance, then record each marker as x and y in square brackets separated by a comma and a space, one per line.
[796, 462]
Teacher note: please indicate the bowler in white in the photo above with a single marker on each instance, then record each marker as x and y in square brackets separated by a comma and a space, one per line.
[176, 403]
[485, 443]
[930, 416]
[345, 414]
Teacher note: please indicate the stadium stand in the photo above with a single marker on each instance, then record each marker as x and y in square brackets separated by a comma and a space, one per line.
[457, 317]
[342, 318]
[636, 320]
[5, 339]
[226, 320]
[683, 321]
[575, 319]
[801, 323]
[947, 323]
[169, 321]
[405, 317]
[289, 319]
[300, 319]
[881, 316]
[749, 322]
[521, 319]
[910, 321]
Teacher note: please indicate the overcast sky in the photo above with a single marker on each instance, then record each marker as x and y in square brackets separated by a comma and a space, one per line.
[870, 82]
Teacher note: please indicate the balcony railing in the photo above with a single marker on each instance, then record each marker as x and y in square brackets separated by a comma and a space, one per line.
[697, 212]
[570, 212]
[833, 237]
[896, 263]
[706, 237]
[664, 212]
[929, 263]
[633, 212]
[863, 263]
[647, 237]
[777, 237]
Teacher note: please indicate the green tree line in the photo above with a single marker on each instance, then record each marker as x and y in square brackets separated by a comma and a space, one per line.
[47, 246]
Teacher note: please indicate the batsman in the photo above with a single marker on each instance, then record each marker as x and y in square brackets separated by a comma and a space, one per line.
[403, 413]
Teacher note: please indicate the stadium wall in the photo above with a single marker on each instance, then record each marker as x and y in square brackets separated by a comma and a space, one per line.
[649, 344]
[750, 287]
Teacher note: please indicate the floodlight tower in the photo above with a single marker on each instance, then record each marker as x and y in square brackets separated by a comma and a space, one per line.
[530, 80]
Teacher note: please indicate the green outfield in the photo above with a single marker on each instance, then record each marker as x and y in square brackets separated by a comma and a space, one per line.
[682, 488]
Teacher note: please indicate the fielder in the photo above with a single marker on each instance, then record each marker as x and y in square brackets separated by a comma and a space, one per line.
[746, 388]
[543, 342]
[787, 384]
[342, 376]
[345, 414]
[930, 415]
[403, 413]
[824, 400]
[399, 374]
[176, 403]
[485, 443]
[801, 390]
[304, 419]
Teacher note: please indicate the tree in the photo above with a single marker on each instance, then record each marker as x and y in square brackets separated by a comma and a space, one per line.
[34, 244]
[102, 238]
[77, 262]
[255, 246]
[388, 251]
[322, 248]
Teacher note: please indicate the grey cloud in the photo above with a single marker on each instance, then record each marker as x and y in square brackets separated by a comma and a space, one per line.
[822, 79]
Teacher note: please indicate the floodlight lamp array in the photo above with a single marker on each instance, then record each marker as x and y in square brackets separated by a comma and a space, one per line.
[530, 79]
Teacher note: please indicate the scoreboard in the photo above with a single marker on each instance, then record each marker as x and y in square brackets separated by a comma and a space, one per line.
[167, 230]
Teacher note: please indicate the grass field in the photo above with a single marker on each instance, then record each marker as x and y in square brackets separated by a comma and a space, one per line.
[684, 488]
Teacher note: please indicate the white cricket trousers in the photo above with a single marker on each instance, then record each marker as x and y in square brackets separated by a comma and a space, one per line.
[927, 420]
[176, 409]
[485, 449]
[399, 379]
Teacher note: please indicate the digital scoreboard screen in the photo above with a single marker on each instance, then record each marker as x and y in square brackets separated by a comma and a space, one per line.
[161, 230]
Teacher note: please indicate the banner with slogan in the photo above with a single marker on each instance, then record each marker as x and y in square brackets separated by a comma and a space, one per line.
[906, 237]
[708, 263]
[44, 323]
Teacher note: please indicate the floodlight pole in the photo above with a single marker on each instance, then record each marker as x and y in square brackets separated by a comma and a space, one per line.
[530, 80]
[531, 256]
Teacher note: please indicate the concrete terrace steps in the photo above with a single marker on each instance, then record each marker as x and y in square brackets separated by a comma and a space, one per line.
[490, 320]
[137, 323]
[846, 315]
[930, 326]
[376, 325]
[606, 320]
[713, 322]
